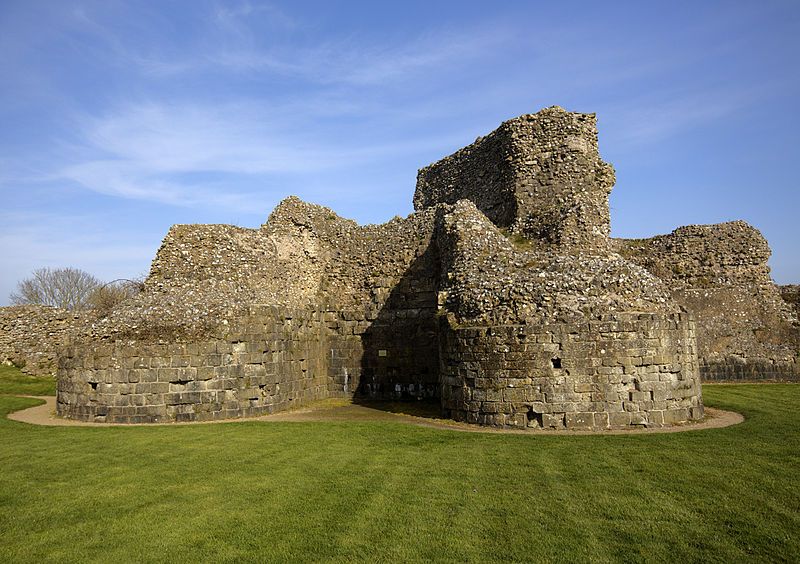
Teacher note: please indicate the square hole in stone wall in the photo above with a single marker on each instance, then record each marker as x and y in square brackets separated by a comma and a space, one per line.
[534, 419]
[556, 362]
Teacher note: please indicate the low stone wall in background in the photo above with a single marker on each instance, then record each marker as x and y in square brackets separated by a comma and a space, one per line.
[734, 369]
[31, 335]
[747, 326]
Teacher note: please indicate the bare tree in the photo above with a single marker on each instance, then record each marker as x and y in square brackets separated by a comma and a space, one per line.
[68, 288]
[106, 297]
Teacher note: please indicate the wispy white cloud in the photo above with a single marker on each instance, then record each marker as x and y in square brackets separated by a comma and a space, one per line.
[35, 240]
[197, 155]
[135, 181]
[169, 138]
[235, 41]
[261, 37]
[653, 122]
[235, 17]
[650, 119]
[350, 62]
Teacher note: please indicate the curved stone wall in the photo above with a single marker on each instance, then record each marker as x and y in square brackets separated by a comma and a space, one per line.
[624, 370]
[271, 360]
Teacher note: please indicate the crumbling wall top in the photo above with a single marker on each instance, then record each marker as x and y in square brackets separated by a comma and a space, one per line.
[540, 175]
[304, 256]
[704, 255]
[491, 279]
[720, 273]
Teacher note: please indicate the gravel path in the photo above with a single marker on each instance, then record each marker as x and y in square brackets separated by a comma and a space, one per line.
[338, 410]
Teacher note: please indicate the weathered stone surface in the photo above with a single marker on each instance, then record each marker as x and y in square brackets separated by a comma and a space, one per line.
[486, 280]
[720, 273]
[502, 297]
[200, 388]
[791, 295]
[583, 375]
[31, 335]
[539, 174]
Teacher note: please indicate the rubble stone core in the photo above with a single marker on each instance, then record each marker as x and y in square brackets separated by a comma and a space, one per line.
[538, 174]
[502, 297]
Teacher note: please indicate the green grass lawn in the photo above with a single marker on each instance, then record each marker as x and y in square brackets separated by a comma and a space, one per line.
[12, 381]
[355, 491]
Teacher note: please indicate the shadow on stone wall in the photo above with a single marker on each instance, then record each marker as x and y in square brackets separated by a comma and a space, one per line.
[401, 348]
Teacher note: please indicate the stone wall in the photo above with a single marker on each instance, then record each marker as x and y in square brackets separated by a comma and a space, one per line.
[270, 360]
[537, 323]
[369, 293]
[622, 370]
[539, 174]
[704, 256]
[502, 296]
[535, 337]
[791, 295]
[720, 273]
[386, 278]
[31, 335]
[387, 322]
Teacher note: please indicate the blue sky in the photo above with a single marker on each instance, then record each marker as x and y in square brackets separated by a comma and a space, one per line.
[120, 119]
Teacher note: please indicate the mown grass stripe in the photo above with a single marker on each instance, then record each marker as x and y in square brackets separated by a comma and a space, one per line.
[384, 491]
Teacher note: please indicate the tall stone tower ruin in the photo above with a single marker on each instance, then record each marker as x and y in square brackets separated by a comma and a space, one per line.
[539, 175]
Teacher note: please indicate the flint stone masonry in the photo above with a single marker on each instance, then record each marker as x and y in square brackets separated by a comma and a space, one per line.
[502, 298]
[539, 174]
[488, 280]
[31, 335]
[746, 330]
[791, 295]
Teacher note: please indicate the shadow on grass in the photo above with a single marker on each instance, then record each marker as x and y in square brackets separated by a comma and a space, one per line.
[426, 409]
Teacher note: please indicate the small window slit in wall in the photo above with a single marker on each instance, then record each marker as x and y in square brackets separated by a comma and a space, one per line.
[556, 362]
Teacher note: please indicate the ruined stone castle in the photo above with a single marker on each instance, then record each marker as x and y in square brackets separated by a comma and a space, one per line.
[503, 297]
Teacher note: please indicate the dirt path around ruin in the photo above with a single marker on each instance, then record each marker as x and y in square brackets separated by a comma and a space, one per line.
[344, 411]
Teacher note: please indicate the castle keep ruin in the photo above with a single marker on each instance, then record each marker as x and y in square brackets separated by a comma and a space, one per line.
[502, 296]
